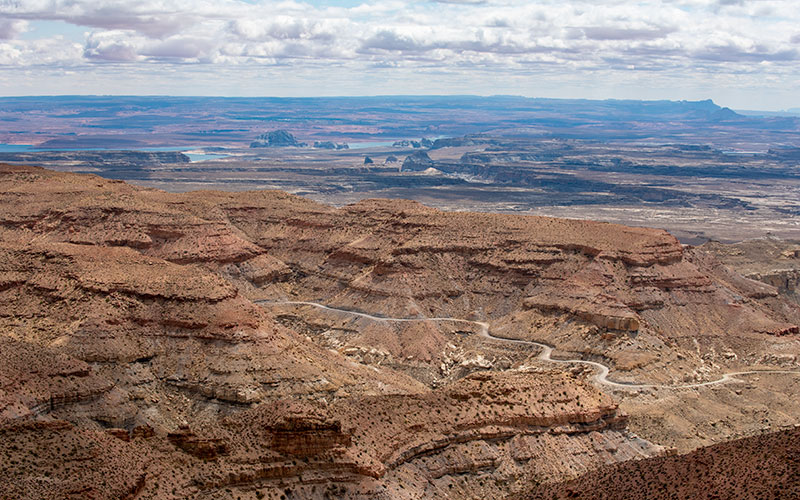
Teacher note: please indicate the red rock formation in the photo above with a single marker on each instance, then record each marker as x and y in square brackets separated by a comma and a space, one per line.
[204, 448]
[133, 309]
[164, 332]
[445, 437]
[748, 469]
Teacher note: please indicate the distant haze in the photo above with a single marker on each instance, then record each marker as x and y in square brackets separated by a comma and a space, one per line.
[744, 54]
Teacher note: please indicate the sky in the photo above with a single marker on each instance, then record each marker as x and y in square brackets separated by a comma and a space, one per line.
[744, 54]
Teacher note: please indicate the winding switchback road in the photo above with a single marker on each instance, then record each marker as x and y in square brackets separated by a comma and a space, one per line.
[546, 351]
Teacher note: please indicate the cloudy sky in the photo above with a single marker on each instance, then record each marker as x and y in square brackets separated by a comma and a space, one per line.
[742, 53]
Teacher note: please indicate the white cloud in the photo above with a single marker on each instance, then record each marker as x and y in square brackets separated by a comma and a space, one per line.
[489, 41]
[12, 28]
[51, 52]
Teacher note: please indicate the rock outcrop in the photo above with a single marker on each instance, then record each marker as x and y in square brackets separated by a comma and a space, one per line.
[330, 145]
[787, 281]
[276, 139]
[203, 448]
[417, 161]
[406, 143]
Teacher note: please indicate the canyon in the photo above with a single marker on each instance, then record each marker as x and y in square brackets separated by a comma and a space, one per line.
[258, 344]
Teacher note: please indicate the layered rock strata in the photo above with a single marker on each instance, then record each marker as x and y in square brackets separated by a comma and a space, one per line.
[132, 329]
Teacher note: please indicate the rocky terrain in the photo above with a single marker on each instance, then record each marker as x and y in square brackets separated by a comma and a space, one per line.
[174, 346]
[763, 467]
[771, 260]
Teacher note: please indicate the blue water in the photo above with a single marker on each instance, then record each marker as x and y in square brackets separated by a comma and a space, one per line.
[193, 157]
[15, 148]
[364, 145]
[743, 153]
[22, 148]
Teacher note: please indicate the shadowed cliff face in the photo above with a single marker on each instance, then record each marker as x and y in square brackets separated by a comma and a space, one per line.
[770, 260]
[750, 468]
[164, 324]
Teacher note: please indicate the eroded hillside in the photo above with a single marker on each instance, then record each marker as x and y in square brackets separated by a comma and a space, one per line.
[179, 341]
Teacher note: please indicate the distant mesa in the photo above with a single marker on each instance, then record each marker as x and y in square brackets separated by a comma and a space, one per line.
[368, 160]
[467, 140]
[725, 114]
[417, 161]
[691, 147]
[92, 142]
[330, 145]
[104, 158]
[276, 139]
[785, 153]
[391, 159]
[422, 143]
